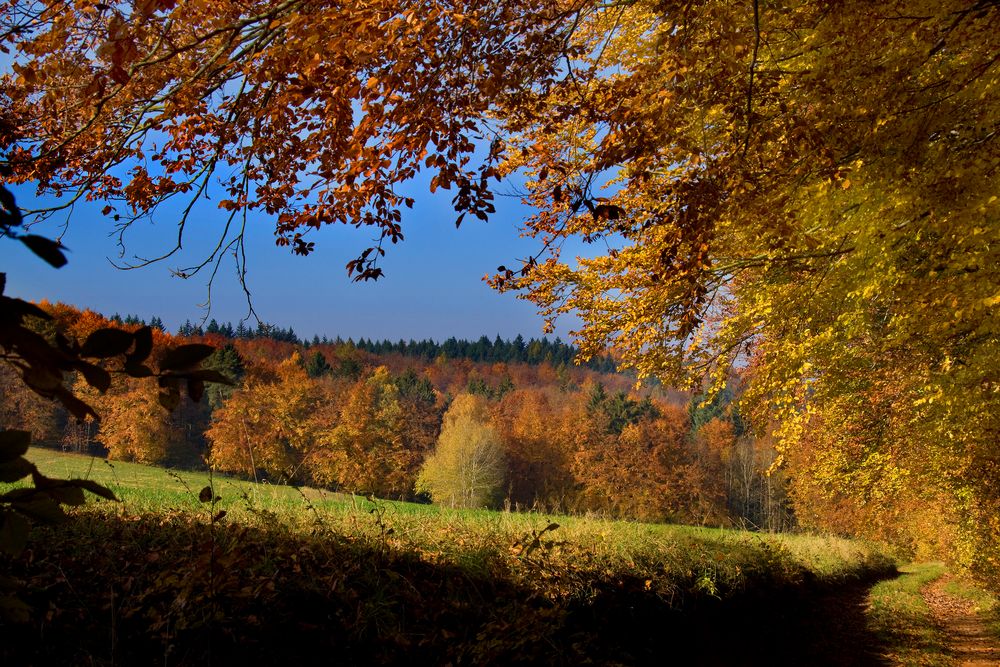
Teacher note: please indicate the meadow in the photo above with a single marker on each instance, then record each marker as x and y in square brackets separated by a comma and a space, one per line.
[271, 573]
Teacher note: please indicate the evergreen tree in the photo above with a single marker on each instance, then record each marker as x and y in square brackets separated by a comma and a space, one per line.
[317, 365]
[227, 361]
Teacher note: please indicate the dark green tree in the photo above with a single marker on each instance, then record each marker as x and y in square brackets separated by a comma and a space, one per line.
[317, 365]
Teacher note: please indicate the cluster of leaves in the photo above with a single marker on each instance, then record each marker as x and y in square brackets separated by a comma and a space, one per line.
[787, 203]
[765, 190]
[403, 90]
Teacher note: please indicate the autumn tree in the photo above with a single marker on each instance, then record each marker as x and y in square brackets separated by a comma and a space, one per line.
[135, 427]
[173, 94]
[774, 192]
[766, 188]
[364, 450]
[741, 470]
[536, 429]
[467, 467]
[422, 413]
[647, 471]
[265, 426]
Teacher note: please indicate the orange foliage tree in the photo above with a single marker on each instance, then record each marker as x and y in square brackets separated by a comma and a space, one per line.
[536, 428]
[266, 426]
[364, 451]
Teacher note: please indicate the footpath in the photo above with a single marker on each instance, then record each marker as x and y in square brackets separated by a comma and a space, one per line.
[969, 642]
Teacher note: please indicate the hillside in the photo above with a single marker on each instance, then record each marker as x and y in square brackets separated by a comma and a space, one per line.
[368, 418]
[295, 574]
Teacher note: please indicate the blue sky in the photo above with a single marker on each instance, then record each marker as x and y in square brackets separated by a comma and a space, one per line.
[433, 286]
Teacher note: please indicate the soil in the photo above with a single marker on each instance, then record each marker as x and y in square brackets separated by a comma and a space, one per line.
[969, 641]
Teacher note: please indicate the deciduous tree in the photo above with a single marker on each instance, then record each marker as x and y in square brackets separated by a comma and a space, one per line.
[771, 189]
[365, 451]
[267, 426]
[467, 467]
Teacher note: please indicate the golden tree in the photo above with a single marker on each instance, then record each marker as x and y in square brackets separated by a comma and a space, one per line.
[364, 451]
[467, 467]
[776, 192]
[267, 426]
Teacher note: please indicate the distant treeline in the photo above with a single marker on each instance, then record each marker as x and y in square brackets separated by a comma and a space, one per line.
[533, 351]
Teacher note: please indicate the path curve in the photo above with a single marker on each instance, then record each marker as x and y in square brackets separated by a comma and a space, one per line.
[969, 641]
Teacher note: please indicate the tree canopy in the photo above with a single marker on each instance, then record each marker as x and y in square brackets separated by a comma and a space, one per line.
[802, 186]
[311, 111]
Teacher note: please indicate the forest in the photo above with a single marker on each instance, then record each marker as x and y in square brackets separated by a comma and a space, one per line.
[774, 221]
[560, 438]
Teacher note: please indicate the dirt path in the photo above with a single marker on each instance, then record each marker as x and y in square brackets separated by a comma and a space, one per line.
[969, 641]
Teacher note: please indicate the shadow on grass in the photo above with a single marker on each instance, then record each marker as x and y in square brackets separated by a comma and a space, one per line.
[166, 589]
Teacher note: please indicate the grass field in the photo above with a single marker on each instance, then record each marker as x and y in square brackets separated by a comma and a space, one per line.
[452, 532]
[286, 572]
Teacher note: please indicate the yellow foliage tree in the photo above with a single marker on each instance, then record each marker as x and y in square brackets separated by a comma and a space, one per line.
[467, 467]
[774, 193]
[267, 426]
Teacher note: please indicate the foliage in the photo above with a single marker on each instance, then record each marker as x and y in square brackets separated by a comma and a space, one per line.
[539, 430]
[364, 110]
[365, 451]
[317, 365]
[226, 360]
[466, 468]
[265, 426]
[766, 190]
[775, 194]
[371, 433]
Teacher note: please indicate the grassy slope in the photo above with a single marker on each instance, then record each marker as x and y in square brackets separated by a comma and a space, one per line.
[288, 572]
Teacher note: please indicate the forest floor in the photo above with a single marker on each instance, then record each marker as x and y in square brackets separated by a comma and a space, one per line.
[931, 617]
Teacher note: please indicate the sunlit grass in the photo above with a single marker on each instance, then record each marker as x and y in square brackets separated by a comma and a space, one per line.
[716, 557]
[899, 615]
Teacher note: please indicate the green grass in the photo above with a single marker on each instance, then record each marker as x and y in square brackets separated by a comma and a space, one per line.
[457, 535]
[155, 488]
[900, 616]
[288, 572]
